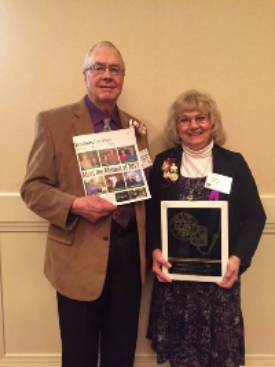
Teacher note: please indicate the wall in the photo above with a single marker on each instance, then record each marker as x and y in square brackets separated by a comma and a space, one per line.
[224, 47]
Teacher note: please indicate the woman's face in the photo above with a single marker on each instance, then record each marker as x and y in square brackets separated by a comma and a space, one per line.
[194, 129]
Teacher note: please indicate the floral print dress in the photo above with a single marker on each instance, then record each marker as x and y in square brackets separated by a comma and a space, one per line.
[196, 324]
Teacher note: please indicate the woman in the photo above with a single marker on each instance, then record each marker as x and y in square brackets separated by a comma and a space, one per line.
[198, 324]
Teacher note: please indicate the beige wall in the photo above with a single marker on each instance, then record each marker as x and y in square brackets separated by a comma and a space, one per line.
[224, 47]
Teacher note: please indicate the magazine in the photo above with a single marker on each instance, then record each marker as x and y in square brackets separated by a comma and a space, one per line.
[110, 166]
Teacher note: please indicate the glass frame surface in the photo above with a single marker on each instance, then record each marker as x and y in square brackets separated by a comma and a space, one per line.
[195, 239]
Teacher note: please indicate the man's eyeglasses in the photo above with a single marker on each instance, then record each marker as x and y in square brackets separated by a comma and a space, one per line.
[100, 69]
[199, 119]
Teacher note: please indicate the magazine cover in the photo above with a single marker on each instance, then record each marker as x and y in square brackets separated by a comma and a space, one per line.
[110, 166]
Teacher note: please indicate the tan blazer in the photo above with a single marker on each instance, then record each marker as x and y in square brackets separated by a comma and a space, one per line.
[77, 251]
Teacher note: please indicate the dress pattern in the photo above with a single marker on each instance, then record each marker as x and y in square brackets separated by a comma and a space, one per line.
[196, 324]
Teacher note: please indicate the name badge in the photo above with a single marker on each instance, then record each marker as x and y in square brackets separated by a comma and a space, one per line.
[220, 183]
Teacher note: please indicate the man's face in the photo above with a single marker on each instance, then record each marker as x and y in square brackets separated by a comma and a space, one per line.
[104, 87]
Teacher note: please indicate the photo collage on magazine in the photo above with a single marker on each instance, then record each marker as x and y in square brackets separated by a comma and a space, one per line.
[111, 168]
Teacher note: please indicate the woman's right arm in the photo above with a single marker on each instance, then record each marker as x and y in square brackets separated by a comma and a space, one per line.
[158, 262]
[153, 223]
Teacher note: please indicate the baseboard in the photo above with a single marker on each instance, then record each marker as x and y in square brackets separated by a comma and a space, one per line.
[142, 360]
[30, 360]
[260, 360]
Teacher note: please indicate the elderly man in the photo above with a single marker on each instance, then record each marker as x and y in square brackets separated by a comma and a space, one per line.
[94, 260]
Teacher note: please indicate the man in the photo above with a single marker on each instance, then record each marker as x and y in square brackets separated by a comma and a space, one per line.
[95, 261]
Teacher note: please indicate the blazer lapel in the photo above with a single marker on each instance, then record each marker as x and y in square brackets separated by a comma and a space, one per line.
[172, 188]
[219, 164]
[82, 123]
[178, 156]
[221, 167]
[124, 119]
[125, 123]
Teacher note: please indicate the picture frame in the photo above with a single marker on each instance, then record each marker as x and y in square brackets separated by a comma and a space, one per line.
[195, 239]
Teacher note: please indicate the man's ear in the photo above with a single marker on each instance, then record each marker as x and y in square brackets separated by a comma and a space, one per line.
[85, 77]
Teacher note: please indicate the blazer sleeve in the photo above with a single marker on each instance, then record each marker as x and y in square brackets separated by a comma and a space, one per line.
[251, 214]
[41, 189]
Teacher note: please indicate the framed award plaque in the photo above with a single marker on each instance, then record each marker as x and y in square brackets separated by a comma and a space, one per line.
[195, 239]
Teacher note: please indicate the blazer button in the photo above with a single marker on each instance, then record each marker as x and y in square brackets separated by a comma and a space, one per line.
[106, 238]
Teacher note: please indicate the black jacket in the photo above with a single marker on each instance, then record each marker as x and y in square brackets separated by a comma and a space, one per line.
[246, 213]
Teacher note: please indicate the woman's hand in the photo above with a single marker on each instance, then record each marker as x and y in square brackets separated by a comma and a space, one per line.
[232, 272]
[158, 262]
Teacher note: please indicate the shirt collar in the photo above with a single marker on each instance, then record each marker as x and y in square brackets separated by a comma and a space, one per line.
[97, 116]
[201, 153]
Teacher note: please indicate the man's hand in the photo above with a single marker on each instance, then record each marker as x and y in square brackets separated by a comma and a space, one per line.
[232, 272]
[92, 207]
[158, 262]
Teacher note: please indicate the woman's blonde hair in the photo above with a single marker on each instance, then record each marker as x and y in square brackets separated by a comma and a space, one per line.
[192, 100]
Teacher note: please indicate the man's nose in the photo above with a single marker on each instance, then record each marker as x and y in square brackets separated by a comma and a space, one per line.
[107, 73]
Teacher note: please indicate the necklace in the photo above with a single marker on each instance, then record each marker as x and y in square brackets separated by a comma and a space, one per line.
[190, 197]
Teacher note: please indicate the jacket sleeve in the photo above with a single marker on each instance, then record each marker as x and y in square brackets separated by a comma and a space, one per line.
[252, 215]
[41, 189]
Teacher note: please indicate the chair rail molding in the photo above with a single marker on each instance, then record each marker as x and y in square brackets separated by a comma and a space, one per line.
[16, 217]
